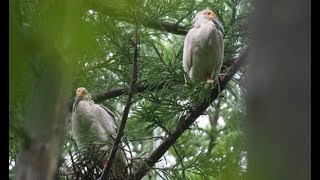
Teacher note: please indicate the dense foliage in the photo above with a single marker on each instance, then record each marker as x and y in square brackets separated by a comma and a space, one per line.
[96, 38]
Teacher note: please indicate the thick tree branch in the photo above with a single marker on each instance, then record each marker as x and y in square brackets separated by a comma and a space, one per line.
[107, 168]
[138, 88]
[186, 120]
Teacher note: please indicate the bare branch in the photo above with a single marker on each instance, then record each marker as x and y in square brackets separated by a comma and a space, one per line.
[106, 170]
[186, 120]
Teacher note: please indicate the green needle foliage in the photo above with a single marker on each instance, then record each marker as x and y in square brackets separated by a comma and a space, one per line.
[95, 39]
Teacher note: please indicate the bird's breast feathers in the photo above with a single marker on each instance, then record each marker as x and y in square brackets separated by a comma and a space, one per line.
[205, 47]
[205, 35]
[89, 112]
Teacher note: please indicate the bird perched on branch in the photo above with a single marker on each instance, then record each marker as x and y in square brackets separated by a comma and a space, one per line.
[203, 48]
[94, 125]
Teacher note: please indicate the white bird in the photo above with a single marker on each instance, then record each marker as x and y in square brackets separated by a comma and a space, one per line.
[203, 48]
[93, 125]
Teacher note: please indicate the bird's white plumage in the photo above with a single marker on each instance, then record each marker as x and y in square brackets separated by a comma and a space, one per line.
[93, 124]
[90, 120]
[203, 49]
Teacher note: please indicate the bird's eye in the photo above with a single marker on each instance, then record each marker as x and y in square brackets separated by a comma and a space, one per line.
[209, 13]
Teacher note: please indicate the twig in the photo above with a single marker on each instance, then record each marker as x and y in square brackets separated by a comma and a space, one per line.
[188, 14]
[181, 161]
[148, 138]
[125, 140]
[213, 123]
[73, 165]
[186, 120]
[106, 170]
[181, 19]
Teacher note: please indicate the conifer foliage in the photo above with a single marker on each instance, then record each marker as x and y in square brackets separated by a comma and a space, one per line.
[175, 129]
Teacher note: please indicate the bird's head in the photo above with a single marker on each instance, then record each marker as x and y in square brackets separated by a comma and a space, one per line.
[211, 16]
[81, 93]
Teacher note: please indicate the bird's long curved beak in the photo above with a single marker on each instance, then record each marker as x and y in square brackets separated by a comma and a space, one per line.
[219, 24]
[77, 100]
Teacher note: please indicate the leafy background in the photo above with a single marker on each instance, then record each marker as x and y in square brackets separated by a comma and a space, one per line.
[94, 42]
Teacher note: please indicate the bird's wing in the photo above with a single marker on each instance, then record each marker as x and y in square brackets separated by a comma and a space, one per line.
[187, 52]
[219, 55]
[106, 121]
[110, 113]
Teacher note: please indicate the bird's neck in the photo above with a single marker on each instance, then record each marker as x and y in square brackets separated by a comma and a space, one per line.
[203, 23]
[87, 98]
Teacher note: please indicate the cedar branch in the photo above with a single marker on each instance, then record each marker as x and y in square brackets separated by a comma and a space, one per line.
[186, 120]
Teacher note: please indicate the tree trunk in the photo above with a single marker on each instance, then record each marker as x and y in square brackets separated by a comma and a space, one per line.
[279, 106]
[46, 86]
[44, 122]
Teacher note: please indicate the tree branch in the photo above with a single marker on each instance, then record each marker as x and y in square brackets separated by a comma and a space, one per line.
[170, 27]
[100, 6]
[138, 88]
[213, 122]
[73, 165]
[120, 90]
[186, 120]
[106, 170]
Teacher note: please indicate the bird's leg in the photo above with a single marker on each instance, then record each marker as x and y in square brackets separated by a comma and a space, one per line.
[209, 78]
[209, 81]
[186, 81]
[185, 78]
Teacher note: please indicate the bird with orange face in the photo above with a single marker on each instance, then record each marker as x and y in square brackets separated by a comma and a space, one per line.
[203, 48]
[93, 127]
